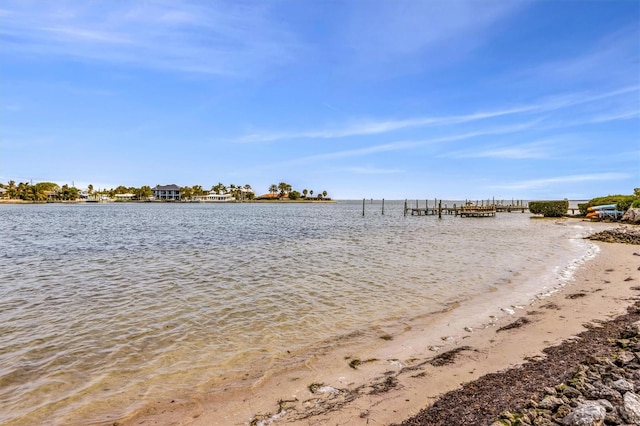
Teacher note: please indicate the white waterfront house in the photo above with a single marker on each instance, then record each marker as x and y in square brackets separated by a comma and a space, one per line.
[167, 192]
[125, 197]
[214, 198]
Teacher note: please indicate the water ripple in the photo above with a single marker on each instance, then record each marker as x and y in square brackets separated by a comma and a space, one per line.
[106, 305]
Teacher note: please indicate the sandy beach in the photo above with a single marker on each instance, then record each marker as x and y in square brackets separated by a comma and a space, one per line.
[401, 371]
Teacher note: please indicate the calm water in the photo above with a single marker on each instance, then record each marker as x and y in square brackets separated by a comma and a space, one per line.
[105, 307]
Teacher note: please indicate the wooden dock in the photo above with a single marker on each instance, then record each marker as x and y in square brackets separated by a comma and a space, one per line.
[477, 211]
[469, 209]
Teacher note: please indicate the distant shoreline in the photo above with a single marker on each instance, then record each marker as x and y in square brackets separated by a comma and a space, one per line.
[14, 201]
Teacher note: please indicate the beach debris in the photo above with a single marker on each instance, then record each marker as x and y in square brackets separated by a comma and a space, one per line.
[284, 405]
[508, 310]
[468, 329]
[434, 348]
[516, 324]
[395, 362]
[448, 357]
[575, 295]
[355, 363]
[385, 386]
[551, 305]
[322, 388]
[386, 337]
[447, 338]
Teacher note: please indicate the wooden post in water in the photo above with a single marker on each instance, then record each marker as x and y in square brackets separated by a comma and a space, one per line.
[440, 210]
[363, 207]
[455, 210]
[383, 207]
[405, 207]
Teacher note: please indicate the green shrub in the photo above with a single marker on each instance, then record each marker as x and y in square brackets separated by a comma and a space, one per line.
[549, 208]
[294, 195]
[583, 208]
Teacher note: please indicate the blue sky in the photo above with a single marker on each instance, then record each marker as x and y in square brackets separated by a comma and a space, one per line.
[377, 99]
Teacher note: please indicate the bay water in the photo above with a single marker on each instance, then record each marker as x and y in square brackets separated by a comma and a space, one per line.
[105, 308]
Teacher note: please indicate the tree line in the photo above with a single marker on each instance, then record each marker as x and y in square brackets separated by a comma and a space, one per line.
[43, 191]
[283, 190]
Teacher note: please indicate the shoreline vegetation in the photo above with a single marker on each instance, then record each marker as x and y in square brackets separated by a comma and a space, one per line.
[51, 192]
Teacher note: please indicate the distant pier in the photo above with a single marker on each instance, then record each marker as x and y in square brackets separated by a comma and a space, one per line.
[468, 209]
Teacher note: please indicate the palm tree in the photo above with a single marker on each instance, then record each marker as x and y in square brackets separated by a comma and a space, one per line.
[283, 186]
[305, 192]
[197, 190]
[311, 193]
[219, 188]
[12, 189]
[324, 194]
[273, 189]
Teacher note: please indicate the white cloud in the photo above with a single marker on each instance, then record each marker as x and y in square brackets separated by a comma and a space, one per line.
[373, 127]
[224, 38]
[533, 150]
[404, 145]
[372, 171]
[613, 59]
[384, 31]
[541, 183]
[377, 127]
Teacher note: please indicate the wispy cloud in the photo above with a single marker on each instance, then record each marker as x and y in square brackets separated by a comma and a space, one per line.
[214, 38]
[533, 150]
[374, 127]
[405, 145]
[389, 31]
[541, 183]
[377, 127]
[372, 171]
[613, 59]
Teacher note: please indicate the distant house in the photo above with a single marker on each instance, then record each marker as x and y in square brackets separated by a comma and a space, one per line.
[214, 198]
[125, 197]
[167, 192]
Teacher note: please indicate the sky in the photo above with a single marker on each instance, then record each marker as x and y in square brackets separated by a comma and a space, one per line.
[363, 99]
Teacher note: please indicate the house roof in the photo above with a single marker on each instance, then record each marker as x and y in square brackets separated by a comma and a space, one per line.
[172, 187]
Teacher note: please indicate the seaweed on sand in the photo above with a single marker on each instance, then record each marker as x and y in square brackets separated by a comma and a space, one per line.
[516, 324]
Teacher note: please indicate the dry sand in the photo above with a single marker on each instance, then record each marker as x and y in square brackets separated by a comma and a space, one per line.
[394, 379]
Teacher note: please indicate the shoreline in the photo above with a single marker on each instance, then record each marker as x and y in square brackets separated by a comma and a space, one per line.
[389, 381]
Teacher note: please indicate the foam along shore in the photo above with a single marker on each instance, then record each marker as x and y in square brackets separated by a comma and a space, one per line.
[402, 371]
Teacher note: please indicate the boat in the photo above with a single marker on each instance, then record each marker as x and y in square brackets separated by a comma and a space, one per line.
[605, 211]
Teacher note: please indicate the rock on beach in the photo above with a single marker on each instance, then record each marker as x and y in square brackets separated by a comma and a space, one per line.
[622, 234]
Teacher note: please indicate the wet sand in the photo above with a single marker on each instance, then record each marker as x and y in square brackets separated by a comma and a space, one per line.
[400, 371]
